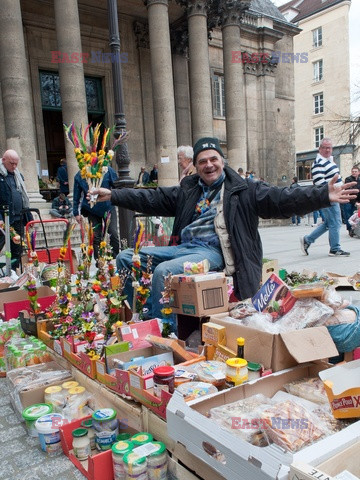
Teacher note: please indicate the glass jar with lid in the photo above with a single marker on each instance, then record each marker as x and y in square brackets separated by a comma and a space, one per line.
[119, 449]
[135, 467]
[164, 379]
[158, 462]
[81, 443]
[91, 432]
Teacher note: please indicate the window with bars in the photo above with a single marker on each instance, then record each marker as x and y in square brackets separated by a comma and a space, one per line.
[317, 37]
[51, 96]
[318, 103]
[319, 135]
[318, 70]
[219, 95]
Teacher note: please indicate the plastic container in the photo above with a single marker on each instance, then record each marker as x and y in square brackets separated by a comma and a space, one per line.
[91, 432]
[68, 385]
[106, 428]
[48, 428]
[254, 370]
[157, 462]
[236, 371]
[141, 438]
[81, 443]
[135, 467]
[33, 413]
[119, 449]
[55, 396]
[164, 379]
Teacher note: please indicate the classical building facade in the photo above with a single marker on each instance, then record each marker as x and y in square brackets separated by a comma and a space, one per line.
[322, 80]
[188, 69]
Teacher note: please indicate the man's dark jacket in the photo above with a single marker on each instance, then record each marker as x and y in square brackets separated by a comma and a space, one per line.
[244, 202]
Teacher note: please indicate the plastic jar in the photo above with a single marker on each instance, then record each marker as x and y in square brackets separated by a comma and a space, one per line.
[33, 413]
[55, 396]
[164, 379]
[106, 428]
[48, 428]
[68, 385]
[119, 449]
[135, 467]
[141, 438]
[236, 371]
[91, 432]
[77, 401]
[157, 462]
[81, 443]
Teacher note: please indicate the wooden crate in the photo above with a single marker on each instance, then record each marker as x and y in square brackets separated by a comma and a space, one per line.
[344, 460]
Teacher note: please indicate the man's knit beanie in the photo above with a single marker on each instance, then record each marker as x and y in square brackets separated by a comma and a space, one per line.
[206, 143]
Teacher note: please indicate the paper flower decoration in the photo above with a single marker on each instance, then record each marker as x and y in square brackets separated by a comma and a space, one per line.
[91, 154]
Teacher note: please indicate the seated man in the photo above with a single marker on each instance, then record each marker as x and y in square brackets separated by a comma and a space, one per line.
[61, 207]
[216, 217]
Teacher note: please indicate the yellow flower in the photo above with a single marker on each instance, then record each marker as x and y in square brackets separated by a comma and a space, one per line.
[93, 154]
[104, 293]
[166, 311]
[142, 290]
[87, 157]
[102, 244]
[102, 152]
[98, 175]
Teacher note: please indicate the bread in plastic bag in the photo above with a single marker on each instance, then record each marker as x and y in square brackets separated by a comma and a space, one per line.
[309, 388]
[290, 426]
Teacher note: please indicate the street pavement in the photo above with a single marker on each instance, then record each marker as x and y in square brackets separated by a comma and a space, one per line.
[282, 243]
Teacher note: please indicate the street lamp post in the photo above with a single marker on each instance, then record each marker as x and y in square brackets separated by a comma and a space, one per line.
[122, 153]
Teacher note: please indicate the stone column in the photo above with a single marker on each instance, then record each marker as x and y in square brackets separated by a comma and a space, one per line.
[199, 69]
[180, 47]
[236, 128]
[72, 82]
[16, 95]
[163, 91]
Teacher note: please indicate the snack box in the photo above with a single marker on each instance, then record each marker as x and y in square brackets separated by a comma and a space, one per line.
[135, 333]
[342, 386]
[278, 351]
[213, 334]
[234, 458]
[274, 297]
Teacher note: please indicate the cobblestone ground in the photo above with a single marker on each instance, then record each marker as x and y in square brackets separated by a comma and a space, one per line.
[21, 457]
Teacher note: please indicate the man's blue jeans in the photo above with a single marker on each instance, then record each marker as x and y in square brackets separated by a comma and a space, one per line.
[167, 260]
[332, 223]
[349, 209]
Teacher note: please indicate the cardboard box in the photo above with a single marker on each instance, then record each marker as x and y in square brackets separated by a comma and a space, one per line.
[199, 295]
[189, 425]
[278, 351]
[345, 283]
[342, 385]
[268, 268]
[26, 386]
[346, 460]
[213, 334]
[135, 333]
[11, 303]
[80, 360]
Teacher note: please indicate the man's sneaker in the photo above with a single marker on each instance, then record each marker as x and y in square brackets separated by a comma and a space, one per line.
[338, 253]
[304, 246]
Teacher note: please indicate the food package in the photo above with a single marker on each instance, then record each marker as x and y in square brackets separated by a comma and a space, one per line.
[309, 388]
[290, 426]
[211, 371]
[192, 390]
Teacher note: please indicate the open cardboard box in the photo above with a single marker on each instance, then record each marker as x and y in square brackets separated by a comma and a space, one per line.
[278, 351]
[80, 360]
[11, 303]
[234, 458]
[199, 295]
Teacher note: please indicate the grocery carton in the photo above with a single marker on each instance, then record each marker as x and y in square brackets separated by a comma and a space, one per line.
[278, 351]
[342, 385]
[213, 334]
[200, 294]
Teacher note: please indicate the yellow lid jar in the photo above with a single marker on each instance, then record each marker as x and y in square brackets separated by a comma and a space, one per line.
[236, 371]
